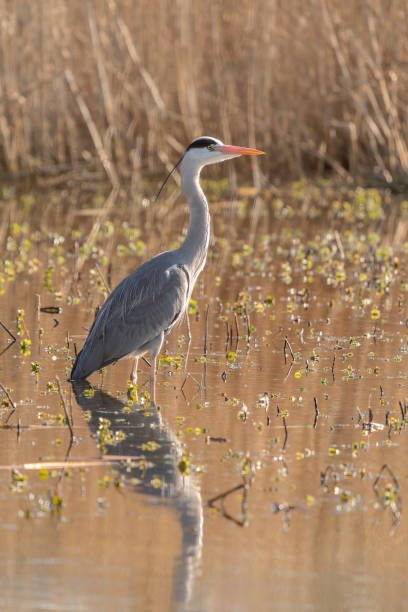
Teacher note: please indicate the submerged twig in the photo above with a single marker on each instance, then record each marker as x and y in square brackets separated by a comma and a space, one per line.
[247, 324]
[287, 344]
[236, 330]
[71, 431]
[389, 498]
[206, 331]
[13, 338]
[227, 336]
[316, 413]
[37, 308]
[289, 371]
[185, 380]
[383, 468]
[70, 463]
[225, 494]
[244, 486]
[324, 476]
[286, 433]
[14, 407]
[8, 331]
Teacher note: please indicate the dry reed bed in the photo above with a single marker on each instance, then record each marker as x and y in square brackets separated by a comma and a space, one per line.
[317, 83]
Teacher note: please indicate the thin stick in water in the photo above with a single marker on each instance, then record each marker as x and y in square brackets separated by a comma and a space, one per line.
[332, 367]
[14, 408]
[287, 344]
[71, 431]
[236, 330]
[37, 305]
[226, 336]
[247, 324]
[206, 331]
[286, 433]
[11, 336]
[316, 413]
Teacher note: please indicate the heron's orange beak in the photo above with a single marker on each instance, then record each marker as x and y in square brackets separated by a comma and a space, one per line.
[229, 149]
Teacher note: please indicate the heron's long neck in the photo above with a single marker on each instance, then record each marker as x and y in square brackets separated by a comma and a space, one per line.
[195, 246]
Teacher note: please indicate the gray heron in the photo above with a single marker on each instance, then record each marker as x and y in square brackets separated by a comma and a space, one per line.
[146, 305]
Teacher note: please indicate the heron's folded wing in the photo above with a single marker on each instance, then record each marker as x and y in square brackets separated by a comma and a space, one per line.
[137, 312]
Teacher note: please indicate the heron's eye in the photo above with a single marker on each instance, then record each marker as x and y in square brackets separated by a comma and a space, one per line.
[210, 147]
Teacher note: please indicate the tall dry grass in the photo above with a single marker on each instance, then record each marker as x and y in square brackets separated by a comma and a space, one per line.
[127, 83]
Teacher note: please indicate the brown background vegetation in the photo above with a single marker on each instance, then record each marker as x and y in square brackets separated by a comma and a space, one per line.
[319, 84]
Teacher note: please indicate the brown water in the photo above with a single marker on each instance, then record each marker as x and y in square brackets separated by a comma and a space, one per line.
[314, 520]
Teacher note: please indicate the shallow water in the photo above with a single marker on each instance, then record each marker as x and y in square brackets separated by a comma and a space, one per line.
[258, 481]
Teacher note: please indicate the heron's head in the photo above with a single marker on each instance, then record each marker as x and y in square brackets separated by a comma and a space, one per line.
[206, 150]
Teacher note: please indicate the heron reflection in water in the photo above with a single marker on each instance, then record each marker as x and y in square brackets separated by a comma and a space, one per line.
[180, 494]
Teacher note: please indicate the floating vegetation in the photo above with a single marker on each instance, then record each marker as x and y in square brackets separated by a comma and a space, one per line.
[183, 465]
[25, 345]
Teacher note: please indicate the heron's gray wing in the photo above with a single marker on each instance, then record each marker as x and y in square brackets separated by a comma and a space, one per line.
[145, 304]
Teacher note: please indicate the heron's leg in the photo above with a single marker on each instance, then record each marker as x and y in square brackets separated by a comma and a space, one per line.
[153, 381]
[188, 341]
[133, 374]
[155, 347]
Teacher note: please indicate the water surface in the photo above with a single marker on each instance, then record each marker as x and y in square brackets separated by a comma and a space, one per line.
[271, 474]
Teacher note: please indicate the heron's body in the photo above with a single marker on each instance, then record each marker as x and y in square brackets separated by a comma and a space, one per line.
[149, 302]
